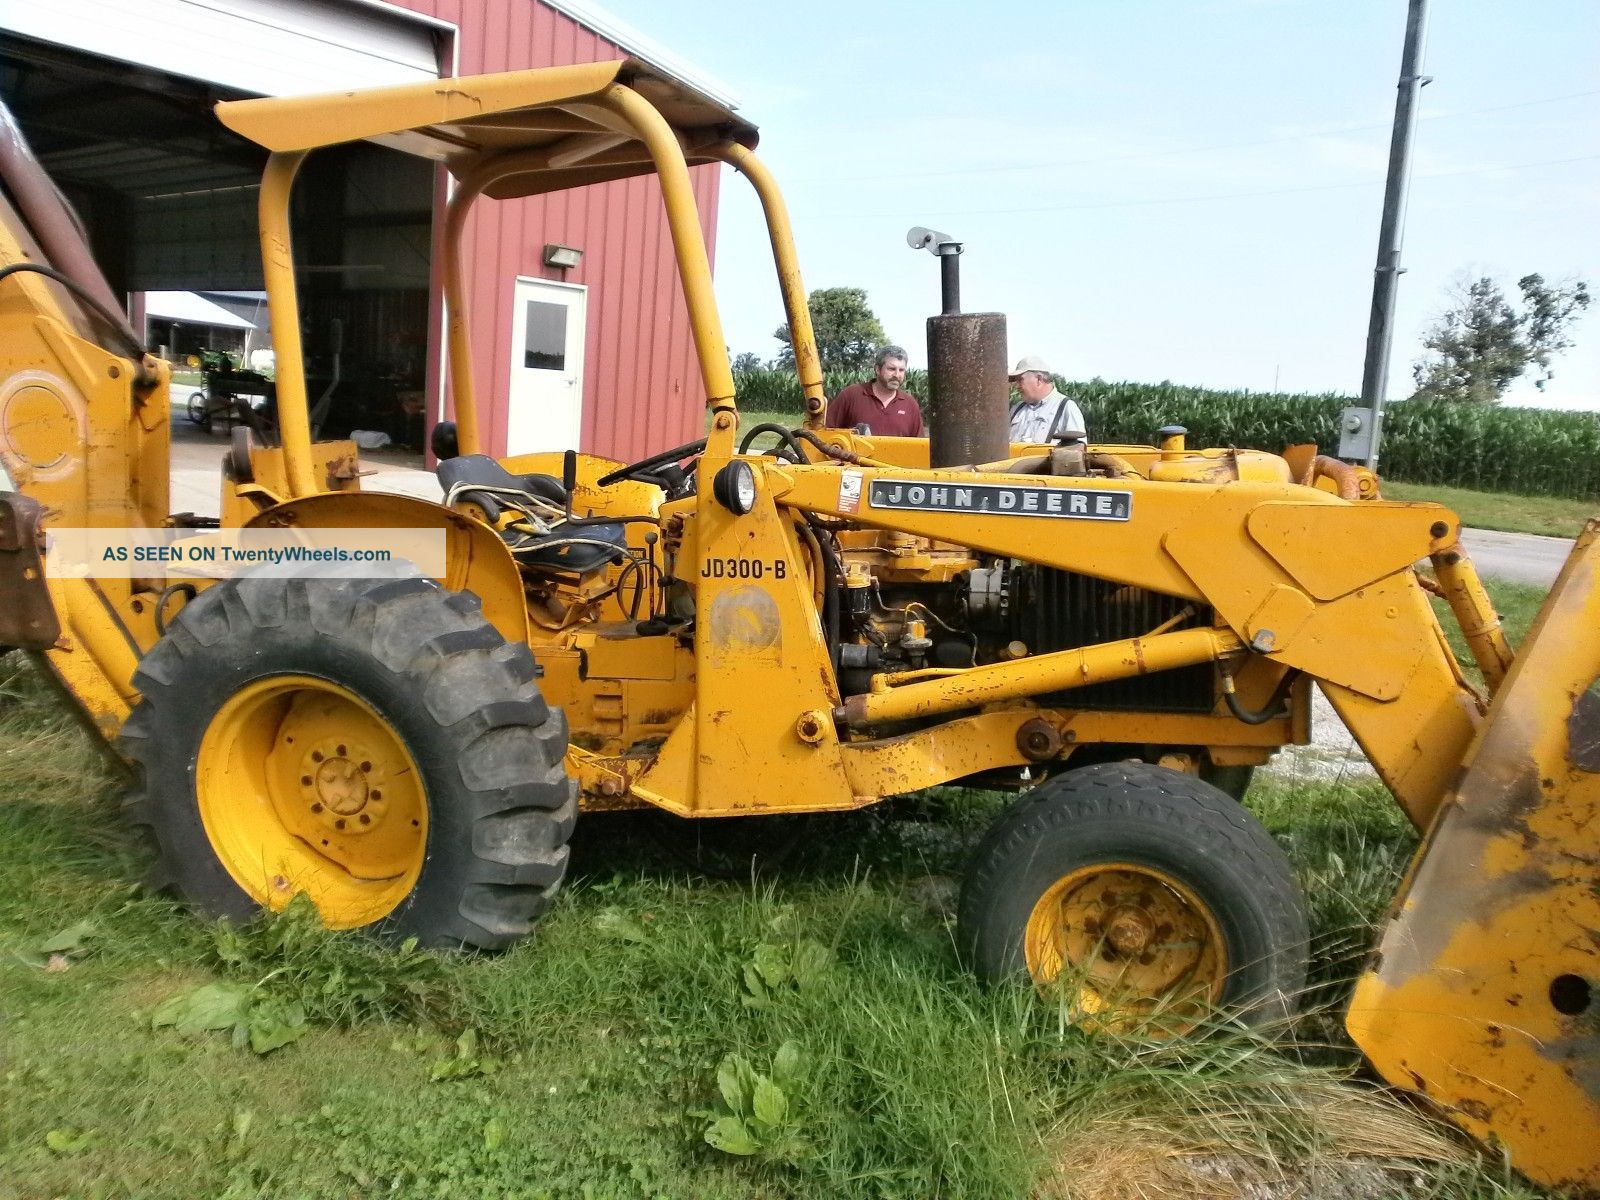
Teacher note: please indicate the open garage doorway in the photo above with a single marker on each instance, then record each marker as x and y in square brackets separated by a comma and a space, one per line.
[168, 198]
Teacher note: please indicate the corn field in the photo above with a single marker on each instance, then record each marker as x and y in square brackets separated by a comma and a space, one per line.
[1531, 451]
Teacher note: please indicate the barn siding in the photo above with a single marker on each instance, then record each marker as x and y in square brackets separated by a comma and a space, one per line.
[642, 388]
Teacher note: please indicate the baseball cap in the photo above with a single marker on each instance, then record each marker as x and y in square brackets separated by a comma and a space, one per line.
[1031, 362]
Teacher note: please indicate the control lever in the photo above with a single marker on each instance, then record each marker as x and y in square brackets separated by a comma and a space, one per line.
[569, 482]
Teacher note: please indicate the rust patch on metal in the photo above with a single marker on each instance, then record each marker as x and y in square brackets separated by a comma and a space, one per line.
[1508, 889]
[1583, 729]
[1504, 804]
[1038, 740]
[1579, 1055]
[1487, 811]
[28, 619]
[968, 396]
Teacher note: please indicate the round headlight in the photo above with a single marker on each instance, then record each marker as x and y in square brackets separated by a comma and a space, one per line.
[735, 487]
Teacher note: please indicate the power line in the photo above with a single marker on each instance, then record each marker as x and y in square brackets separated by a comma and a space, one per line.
[1322, 187]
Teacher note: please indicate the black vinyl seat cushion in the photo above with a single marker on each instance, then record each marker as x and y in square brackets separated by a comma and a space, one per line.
[601, 543]
[482, 470]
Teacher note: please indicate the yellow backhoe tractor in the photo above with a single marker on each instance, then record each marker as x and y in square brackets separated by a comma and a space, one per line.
[722, 631]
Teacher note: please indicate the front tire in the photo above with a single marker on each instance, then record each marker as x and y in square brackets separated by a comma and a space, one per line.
[374, 743]
[1151, 894]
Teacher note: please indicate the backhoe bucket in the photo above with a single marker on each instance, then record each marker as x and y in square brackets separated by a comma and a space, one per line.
[1484, 995]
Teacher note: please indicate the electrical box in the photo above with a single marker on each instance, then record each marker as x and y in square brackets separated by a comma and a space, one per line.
[1356, 427]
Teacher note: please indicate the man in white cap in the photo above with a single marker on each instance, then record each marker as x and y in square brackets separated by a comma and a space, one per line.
[1043, 412]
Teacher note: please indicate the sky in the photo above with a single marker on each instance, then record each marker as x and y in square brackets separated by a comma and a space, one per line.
[1158, 189]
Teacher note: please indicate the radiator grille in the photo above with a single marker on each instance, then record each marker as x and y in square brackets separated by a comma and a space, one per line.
[1060, 610]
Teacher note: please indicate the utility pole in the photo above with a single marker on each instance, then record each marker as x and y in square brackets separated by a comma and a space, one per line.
[1368, 420]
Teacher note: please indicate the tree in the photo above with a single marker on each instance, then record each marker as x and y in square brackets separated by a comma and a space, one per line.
[1481, 344]
[748, 361]
[847, 332]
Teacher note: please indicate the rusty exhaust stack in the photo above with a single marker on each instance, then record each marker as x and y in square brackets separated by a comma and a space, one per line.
[968, 392]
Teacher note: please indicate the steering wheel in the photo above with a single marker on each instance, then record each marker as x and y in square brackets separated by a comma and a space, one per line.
[646, 469]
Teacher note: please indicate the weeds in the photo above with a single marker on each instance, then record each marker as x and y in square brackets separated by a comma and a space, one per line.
[817, 1020]
[758, 1115]
[336, 978]
[291, 974]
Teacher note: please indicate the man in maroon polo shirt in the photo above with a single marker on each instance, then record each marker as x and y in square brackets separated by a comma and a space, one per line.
[879, 404]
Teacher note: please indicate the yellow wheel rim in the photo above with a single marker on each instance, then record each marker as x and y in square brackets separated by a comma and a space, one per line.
[303, 787]
[1132, 946]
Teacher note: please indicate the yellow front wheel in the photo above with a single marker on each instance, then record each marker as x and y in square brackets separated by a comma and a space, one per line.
[1145, 898]
[303, 787]
[1130, 940]
[371, 743]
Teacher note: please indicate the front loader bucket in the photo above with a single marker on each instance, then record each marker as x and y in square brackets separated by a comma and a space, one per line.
[1484, 995]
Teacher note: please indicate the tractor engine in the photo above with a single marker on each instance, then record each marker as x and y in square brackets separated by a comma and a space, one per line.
[909, 604]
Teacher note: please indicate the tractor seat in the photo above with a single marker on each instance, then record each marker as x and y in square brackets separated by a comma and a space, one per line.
[596, 545]
[482, 470]
[480, 479]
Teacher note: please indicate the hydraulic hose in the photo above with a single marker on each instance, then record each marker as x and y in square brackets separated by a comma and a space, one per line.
[772, 427]
[1270, 711]
[118, 324]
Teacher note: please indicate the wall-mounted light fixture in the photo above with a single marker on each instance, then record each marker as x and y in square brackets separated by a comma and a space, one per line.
[565, 257]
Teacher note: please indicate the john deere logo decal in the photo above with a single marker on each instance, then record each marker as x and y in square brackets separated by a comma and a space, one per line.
[1081, 504]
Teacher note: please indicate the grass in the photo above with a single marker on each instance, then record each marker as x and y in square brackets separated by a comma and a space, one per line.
[587, 1063]
[1551, 516]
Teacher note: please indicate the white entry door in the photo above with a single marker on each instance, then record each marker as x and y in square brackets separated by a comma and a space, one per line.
[547, 324]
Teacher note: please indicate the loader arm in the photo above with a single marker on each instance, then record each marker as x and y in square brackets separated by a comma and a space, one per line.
[1482, 995]
[1359, 624]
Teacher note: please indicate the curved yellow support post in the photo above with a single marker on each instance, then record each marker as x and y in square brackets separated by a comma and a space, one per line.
[694, 264]
[458, 343]
[801, 335]
[1474, 613]
[277, 265]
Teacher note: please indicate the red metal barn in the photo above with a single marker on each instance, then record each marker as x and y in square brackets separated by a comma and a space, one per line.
[594, 352]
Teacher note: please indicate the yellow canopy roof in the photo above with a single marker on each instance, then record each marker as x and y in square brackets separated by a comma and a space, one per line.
[462, 122]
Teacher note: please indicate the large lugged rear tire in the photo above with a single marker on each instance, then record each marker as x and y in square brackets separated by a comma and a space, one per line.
[372, 742]
[1149, 892]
